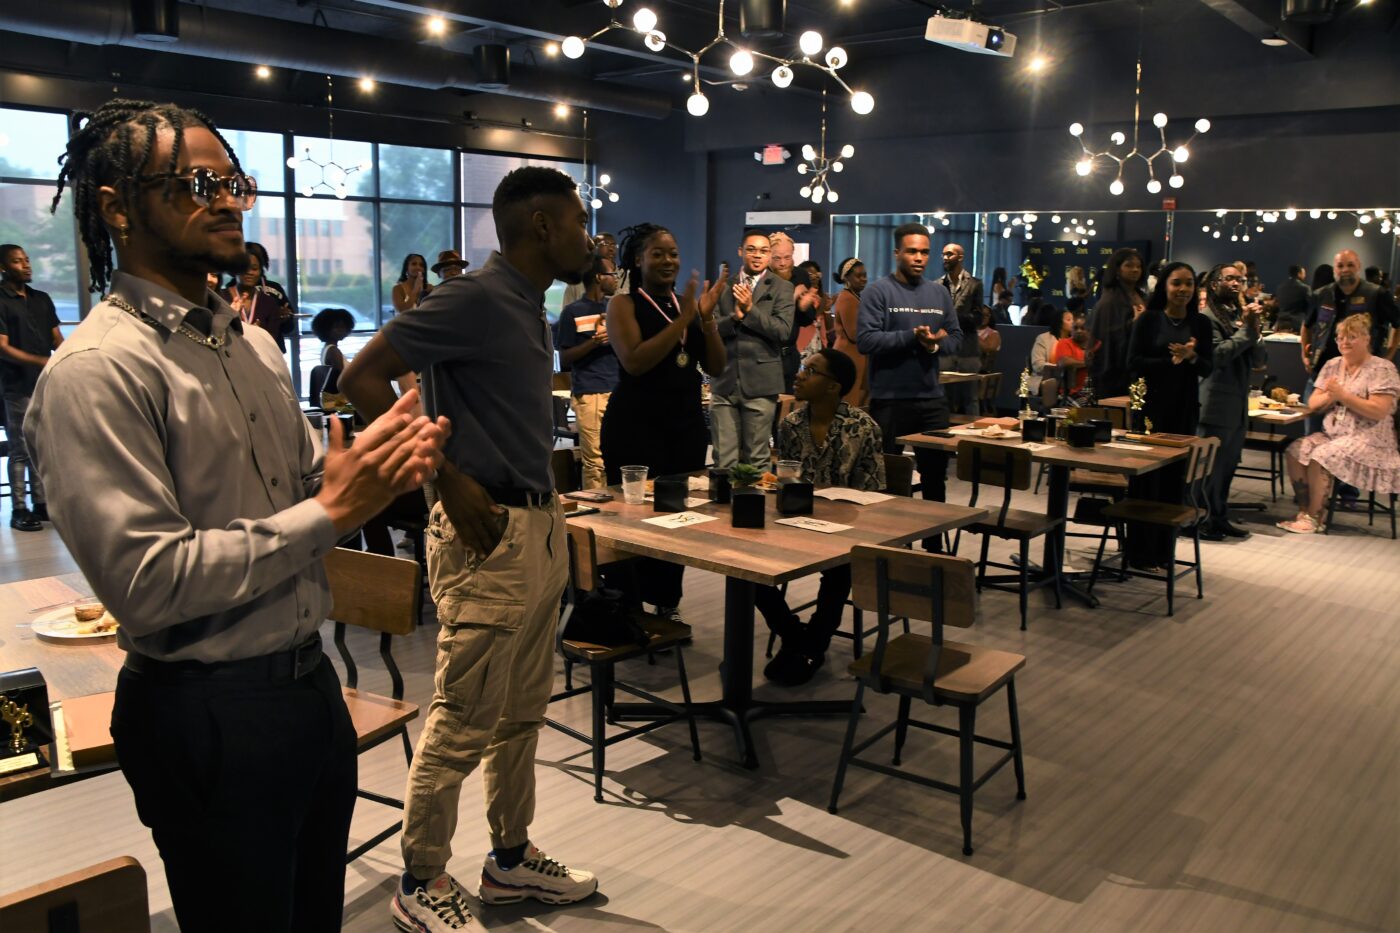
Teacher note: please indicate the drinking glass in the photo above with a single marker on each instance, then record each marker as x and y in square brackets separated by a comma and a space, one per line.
[634, 484]
[789, 470]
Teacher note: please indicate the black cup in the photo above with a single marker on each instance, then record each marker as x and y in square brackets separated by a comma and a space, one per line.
[747, 508]
[1082, 435]
[1103, 430]
[669, 493]
[1033, 429]
[795, 498]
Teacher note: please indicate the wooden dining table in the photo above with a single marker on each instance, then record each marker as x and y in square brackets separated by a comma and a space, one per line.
[79, 675]
[769, 556]
[1061, 458]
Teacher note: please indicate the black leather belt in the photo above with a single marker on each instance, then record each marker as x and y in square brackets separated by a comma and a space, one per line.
[520, 498]
[282, 667]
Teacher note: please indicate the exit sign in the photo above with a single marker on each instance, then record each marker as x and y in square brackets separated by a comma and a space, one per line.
[1169, 204]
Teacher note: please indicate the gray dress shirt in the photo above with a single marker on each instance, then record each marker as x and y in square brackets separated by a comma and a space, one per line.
[180, 478]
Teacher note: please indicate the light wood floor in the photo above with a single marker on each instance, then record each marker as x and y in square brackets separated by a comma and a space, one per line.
[1231, 769]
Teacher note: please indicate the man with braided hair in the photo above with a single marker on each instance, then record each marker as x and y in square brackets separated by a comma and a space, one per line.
[199, 505]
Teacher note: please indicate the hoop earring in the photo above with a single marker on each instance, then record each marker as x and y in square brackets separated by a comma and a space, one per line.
[121, 234]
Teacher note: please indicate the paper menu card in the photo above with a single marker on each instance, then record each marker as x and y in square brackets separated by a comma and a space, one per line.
[858, 496]
[679, 519]
[813, 524]
[1118, 445]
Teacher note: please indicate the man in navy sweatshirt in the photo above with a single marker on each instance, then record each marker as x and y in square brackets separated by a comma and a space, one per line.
[904, 321]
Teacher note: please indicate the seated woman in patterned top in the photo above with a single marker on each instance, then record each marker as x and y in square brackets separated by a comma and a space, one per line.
[1357, 442]
[837, 445]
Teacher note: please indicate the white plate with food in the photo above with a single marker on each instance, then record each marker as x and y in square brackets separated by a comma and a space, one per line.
[87, 622]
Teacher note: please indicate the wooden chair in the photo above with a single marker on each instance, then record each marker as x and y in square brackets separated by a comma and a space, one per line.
[897, 582]
[109, 897]
[982, 464]
[384, 595]
[1273, 446]
[1165, 515]
[602, 661]
[899, 481]
[564, 462]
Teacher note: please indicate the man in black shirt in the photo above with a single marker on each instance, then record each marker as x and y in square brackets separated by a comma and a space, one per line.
[966, 290]
[1293, 298]
[28, 336]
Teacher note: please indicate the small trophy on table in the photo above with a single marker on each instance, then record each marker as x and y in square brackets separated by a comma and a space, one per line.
[1137, 397]
[1024, 391]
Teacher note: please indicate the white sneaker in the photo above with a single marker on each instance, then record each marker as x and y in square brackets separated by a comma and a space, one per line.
[539, 876]
[438, 908]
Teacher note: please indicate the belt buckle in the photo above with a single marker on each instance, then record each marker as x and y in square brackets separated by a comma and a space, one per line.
[306, 658]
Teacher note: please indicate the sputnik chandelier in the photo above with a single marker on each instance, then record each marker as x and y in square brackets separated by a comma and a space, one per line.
[1176, 155]
[1240, 230]
[331, 177]
[820, 167]
[593, 192]
[741, 60]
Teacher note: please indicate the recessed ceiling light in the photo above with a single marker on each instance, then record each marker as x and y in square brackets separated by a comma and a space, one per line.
[437, 25]
[1274, 41]
[561, 110]
[263, 71]
[366, 84]
[551, 49]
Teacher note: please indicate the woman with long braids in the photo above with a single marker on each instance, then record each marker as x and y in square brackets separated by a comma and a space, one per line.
[654, 416]
[1111, 321]
[190, 490]
[1170, 349]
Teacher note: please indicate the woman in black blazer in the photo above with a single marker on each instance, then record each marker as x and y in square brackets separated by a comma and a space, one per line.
[1170, 349]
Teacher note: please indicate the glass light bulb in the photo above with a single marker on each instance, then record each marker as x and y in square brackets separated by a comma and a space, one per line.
[1220, 213]
[838, 166]
[613, 197]
[613, 4]
[1290, 214]
[1260, 228]
[1245, 237]
[1365, 218]
[1181, 154]
[605, 179]
[1315, 214]
[1003, 217]
[1028, 234]
[1205, 228]
[817, 195]
[1234, 238]
[1118, 138]
[862, 103]
[1015, 221]
[741, 62]
[1116, 186]
[1153, 186]
[805, 191]
[1054, 218]
[1159, 120]
[698, 104]
[1083, 167]
[848, 151]
[832, 196]
[1076, 129]
[341, 192]
[1006, 233]
[808, 152]
[802, 169]
[1216, 234]
[308, 191]
[572, 47]
[1202, 125]
[835, 58]
[655, 40]
[1176, 181]
[292, 162]
[810, 42]
[945, 221]
[782, 76]
[644, 20]
[1331, 215]
[1358, 232]
[595, 203]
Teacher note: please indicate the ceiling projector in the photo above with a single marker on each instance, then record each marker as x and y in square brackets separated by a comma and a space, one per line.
[970, 36]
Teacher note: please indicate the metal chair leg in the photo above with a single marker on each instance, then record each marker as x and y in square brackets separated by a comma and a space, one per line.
[772, 638]
[1098, 559]
[901, 729]
[858, 628]
[601, 675]
[982, 561]
[846, 746]
[967, 721]
[1200, 583]
[685, 698]
[1171, 572]
[1025, 578]
[1016, 759]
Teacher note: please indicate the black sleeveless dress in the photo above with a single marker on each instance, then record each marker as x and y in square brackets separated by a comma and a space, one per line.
[655, 418]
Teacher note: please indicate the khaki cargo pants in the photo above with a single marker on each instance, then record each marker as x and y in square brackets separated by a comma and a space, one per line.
[495, 672]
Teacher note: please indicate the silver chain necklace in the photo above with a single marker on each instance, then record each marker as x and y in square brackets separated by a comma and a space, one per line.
[212, 342]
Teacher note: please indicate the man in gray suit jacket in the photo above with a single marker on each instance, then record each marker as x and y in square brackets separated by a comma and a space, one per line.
[755, 316]
[966, 290]
[1235, 351]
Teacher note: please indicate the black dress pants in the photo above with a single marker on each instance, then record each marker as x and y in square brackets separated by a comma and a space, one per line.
[900, 416]
[248, 788]
[813, 638]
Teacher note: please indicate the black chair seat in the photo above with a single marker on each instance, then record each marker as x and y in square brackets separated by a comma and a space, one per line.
[664, 633]
[1017, 524]
[1154, 513]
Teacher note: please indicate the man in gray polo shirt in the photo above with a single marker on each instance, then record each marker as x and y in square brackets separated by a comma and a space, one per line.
[497, 557]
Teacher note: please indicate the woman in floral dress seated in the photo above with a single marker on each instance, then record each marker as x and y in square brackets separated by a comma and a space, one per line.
[1357, 443]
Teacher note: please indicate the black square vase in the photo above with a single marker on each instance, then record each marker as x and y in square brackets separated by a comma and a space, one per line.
[795, 498]
[719, 485]
[747, 507]
[669, 493]
[1082, 435]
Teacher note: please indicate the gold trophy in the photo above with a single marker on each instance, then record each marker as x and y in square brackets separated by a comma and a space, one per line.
[1025, 392]
[1137, 397]
[18, 717]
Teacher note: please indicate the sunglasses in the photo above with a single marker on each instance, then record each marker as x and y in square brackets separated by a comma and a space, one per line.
[204, 185]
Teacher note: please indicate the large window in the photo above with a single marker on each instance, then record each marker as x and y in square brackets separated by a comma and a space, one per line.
[326, 251]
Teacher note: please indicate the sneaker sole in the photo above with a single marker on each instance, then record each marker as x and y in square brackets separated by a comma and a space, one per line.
[404, 922]
[492, 894]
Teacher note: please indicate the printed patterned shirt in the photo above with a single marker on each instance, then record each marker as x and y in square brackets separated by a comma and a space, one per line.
[852, 456]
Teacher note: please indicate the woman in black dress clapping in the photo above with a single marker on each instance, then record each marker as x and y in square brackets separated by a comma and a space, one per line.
[654, 416]
[1170, 350]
